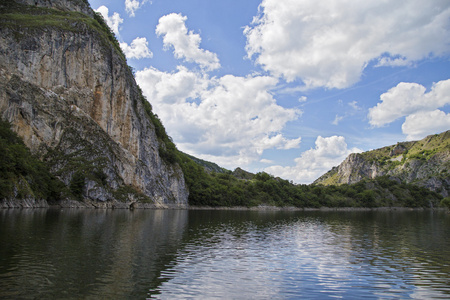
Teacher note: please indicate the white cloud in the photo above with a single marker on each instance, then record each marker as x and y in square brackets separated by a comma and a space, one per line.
[131, 6]
[337, 119]
[302, 99]
[329, 43]
[186, 45]
[328, 152]
[421, 124]
[354, 105]
[266, 161]
[392, 62]
[408, 98]
[229, 120]
[113, 22]
[138, 48]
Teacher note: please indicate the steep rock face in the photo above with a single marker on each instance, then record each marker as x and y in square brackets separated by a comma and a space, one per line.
[64, 5]
[354, 168]
[425, 163]
[72, 98]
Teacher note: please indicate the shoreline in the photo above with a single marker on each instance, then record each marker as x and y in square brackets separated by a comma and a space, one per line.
[293, 208]
[72, 204]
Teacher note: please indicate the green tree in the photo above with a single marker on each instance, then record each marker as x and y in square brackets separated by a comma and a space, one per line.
[446, 202]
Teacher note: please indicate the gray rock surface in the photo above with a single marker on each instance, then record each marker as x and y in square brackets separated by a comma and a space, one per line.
[429, 166]
[74, 101]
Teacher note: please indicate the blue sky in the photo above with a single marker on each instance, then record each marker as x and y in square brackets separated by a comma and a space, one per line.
[288, 87]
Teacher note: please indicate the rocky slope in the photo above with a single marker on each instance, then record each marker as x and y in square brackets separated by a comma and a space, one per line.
[425, 163]
[68, 92]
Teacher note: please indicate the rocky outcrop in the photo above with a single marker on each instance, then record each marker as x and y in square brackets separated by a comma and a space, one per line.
[63, 5]
[425, 163]
[70, 95]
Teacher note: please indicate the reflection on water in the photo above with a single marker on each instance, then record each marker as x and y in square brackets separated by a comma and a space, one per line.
[110, 254]
[121, 254]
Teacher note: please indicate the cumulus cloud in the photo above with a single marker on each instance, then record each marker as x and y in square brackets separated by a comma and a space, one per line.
[328, 152]
[328, 44]
[131, 6]
[113, 21]
[229, 120]
[421, 124]
[186, 45]
[138, 48]
[408, 98]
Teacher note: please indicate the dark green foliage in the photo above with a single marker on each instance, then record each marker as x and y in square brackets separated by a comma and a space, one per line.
[124, 193]
[22, 174]
[167, 149]
[77, 184]
[109, 33]
[224, 189]
[446, 202]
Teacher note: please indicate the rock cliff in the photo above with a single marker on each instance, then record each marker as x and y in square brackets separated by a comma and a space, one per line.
[425, 163]
[68, 92]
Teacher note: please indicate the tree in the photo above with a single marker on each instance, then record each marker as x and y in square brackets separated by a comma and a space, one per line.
[446, 202]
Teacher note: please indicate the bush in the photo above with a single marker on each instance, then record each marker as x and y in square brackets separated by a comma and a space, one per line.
[17, 164]
[446, 202]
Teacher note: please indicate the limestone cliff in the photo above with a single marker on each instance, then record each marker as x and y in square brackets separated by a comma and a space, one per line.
[66, 88]
[425, 163]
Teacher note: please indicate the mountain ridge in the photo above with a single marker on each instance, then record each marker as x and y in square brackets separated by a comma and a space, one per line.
[424, 163]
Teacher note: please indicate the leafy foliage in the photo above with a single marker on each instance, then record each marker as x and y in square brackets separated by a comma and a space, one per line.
[167, 149]
[77, 184]
[22, 174]
[446, 202]
[224, 189]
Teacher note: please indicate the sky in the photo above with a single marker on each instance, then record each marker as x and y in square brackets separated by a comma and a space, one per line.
[288, 87]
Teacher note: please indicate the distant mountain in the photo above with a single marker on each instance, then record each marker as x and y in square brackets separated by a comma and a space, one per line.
[424, 163]
[207, 165]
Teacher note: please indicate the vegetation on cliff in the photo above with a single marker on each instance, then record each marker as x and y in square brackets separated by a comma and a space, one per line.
[423, 163]
[76, 104]
[23, 175]
[28, 19]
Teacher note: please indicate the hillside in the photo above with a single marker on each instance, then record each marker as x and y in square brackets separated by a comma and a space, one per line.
[423, 163]
[69, 94]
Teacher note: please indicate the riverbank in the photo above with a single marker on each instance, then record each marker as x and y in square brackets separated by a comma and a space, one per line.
[292, 208]
[67, 203]
[87, 204]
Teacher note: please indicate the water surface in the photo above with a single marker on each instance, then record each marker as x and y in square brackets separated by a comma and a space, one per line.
[167, 254]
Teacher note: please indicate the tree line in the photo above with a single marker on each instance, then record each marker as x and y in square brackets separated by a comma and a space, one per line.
[23, 175]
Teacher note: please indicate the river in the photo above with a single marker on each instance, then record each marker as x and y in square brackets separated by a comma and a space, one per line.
[179, 254]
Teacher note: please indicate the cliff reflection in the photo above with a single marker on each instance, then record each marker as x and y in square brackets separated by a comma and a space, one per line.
[86, 253]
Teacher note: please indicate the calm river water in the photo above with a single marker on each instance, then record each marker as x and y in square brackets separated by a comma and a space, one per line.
[170, 254]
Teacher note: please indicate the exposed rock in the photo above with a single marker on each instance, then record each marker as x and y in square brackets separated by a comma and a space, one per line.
[425, 163]
[64, 5]
[398, 149]
[23, 203]
[74, 101]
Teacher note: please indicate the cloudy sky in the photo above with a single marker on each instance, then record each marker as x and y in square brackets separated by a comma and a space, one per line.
[288, 87]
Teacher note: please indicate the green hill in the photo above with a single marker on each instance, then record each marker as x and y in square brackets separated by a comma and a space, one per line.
[424, 163]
